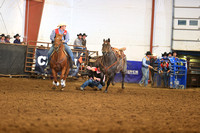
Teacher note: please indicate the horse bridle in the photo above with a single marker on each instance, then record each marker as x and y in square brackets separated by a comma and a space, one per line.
[57, 48]
[106, 68]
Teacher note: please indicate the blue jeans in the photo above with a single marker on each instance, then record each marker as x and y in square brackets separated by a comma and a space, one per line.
[91, 83]
[165, 78]
[67, 49]
[145, 76]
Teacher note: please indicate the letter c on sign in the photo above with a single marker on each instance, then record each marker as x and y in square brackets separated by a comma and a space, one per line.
[41, 60]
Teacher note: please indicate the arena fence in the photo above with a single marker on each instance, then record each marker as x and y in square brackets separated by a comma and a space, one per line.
[17, 59]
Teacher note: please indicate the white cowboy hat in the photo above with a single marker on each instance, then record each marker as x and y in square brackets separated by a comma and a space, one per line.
[62, 24]
[154, 54]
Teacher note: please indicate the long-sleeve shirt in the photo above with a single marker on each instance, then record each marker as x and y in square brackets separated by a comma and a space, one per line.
[145, 61]
[84, 42]
[93, 72]
[65, 37]
[3, 41]
[78, 42]
[17, 41]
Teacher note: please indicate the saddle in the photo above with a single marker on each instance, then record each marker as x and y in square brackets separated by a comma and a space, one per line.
[119, 52]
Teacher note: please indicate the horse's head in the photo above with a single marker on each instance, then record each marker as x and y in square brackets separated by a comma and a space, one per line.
[57, 41]
[106, 47]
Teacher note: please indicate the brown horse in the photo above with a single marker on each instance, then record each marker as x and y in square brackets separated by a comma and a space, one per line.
[112, 62]
[59, 62]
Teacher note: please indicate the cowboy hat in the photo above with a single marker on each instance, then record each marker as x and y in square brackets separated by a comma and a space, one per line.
[2, 35]
[16, 35]
[170, 53]
[62, 24]
[79, 34]
[148, 53]
[84, 34]
[165, 54]
[8, 36]
[154, 54]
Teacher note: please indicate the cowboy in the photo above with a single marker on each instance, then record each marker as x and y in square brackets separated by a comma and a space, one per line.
[174, 55]
[96, 78]
[145, 69]
[152, 63]
[170, 55]
[7, 40]
[78, 41]
[17, 39]
[84, 39]
[2, 38]
[65, 39]
[165, 72]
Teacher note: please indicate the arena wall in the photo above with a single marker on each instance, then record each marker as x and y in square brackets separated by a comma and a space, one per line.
[126, 22]
[12, 16]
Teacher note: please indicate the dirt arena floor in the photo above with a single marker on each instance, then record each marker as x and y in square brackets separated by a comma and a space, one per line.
[30, 106]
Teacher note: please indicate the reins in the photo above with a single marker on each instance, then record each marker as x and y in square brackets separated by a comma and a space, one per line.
[56, 50]
[106, 68]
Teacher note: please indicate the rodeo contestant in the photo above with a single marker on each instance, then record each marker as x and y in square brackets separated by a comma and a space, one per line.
[145, 69]
[152, 63]
[165, 72]
[96, 78]
[65, 39]
[17, 39]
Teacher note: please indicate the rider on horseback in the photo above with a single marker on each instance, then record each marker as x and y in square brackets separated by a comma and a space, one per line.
[65, 39]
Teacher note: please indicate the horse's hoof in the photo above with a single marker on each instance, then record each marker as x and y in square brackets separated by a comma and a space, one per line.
[113, 83]
[123, 87]
[105, 91]
[62, 89]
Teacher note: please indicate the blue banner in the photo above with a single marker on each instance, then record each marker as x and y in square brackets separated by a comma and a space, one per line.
[133, 74]
[41, 60]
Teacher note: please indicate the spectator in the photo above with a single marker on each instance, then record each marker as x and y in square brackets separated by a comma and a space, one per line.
[96, 78]
[17, 39]
[165, 72]
[174, 55]
[2, 40]
[7, 40]
[145, 69]
[164, 55]
[78, 41]
[152, 63]
[84, 39]
[169, 55]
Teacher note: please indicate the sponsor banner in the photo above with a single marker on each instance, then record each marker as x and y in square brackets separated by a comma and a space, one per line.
[41, 60]
[133, 74]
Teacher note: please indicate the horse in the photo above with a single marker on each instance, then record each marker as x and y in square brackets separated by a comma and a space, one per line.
[60, 62]
[111, 63]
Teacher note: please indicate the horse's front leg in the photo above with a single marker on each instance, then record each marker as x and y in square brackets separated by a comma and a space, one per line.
[108, 83]
[55, 82]
[62, 77]
[113, 82]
